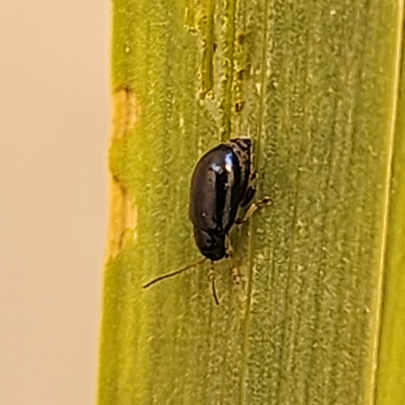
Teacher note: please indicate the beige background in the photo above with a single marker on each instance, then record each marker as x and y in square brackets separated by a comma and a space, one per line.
[54, 120]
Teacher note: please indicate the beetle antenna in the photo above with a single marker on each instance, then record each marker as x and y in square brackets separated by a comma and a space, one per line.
[174, 273]
[211, 276]
[214, 291]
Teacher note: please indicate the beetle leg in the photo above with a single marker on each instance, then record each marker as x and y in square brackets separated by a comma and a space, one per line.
[212, 276]
[252, 209]
[250, 191]
[236, 275]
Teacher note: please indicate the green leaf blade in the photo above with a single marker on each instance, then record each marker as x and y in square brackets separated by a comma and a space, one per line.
[315, 85]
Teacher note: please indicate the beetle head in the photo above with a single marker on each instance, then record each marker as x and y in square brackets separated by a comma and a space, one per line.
[211, 244]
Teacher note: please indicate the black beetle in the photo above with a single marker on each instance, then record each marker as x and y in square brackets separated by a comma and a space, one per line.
[218, 188]
[220, 185]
